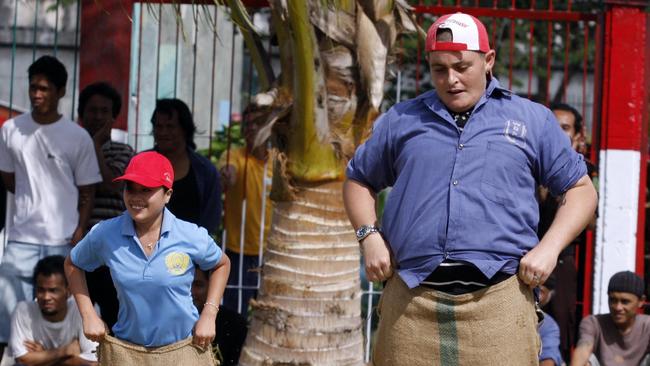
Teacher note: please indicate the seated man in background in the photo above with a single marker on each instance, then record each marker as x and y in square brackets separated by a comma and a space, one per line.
[49, 331]
[620, 337]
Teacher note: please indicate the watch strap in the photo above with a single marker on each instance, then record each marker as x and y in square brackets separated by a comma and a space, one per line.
[365, 230]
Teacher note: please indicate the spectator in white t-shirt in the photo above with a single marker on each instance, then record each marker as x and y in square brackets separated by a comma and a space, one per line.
[49, 331]
[49, 163]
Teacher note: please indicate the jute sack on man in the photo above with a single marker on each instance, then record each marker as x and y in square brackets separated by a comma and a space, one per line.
[421, 326]
[113, 351]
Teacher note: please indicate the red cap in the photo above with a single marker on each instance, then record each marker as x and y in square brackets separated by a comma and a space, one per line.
[149, 169]
[467, 32]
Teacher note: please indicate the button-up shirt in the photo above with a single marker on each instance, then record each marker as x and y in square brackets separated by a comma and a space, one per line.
[465, 196]
[154, 292]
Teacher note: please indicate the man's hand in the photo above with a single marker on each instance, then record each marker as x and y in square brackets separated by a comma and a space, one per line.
[377, 258]
[94, 328]
[228, 175]
[537, 265]
[359, 203]
[77, 235]
[65, 355]
[33, 346]
[581, 353]
[103, 134]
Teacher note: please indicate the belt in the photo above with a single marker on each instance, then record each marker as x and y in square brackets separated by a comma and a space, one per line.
[461, 279]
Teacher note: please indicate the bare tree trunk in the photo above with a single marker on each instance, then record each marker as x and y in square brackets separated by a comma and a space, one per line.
[308, 310]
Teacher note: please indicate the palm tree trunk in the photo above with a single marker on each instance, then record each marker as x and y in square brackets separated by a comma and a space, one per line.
[308, 308]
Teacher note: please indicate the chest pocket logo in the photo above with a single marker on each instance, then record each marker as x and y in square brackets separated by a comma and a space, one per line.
[177, 263]
[515, 133]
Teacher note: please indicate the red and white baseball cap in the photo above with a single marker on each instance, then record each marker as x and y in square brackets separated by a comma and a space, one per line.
[468, 34]
[149, 169]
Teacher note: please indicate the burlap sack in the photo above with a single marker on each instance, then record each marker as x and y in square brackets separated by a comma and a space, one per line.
[116, 352]
[494, 326]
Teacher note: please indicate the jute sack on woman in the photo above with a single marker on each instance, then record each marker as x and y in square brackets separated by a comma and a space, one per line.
[114, 352]
[425, 327]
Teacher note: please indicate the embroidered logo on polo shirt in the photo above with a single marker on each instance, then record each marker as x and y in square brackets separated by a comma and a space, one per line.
[515, 132]
[177, 263]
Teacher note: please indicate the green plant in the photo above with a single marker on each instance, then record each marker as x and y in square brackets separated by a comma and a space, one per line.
[222, 140]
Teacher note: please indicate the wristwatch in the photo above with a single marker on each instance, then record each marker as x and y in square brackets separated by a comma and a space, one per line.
[366, 230]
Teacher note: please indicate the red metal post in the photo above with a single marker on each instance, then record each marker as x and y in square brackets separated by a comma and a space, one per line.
[626, 74]
[644, 151]
[105, 47]
[620, 242]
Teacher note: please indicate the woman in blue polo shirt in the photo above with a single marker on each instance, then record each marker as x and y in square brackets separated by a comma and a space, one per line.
[152, 257]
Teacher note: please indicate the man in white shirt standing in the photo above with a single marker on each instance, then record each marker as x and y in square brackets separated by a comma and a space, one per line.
[49, 163]
[49, 331]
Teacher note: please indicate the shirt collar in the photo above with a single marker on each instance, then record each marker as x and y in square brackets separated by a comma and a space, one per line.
[128, 228]
[493, 89]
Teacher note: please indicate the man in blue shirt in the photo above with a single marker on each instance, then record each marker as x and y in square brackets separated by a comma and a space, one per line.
[463, 161]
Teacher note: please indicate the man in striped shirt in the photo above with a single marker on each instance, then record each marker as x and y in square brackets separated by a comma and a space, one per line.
[99, 105]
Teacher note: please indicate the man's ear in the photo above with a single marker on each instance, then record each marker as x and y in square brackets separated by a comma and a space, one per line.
[61, 92]
[490, 57]
[642, 301]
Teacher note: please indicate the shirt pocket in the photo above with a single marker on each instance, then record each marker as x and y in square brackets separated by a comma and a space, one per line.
[504, 172]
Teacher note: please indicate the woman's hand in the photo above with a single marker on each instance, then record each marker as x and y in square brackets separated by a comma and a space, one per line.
[205, 329]
[94, 328]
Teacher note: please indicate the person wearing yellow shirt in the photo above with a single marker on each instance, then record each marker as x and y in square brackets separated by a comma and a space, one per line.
[246, 175]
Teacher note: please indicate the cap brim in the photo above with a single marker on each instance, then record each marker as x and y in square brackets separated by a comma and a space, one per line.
[140, 179]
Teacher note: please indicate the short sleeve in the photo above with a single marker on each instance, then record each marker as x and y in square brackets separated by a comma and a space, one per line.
[372, 162]
[232, 157]
[559, 166]
[86, 170]
[7, 163]
[209, 252]
[21, 330]
[86, 254]
[588, 331]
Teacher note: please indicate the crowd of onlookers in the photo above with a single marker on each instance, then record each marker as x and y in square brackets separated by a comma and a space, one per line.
[62, 175]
